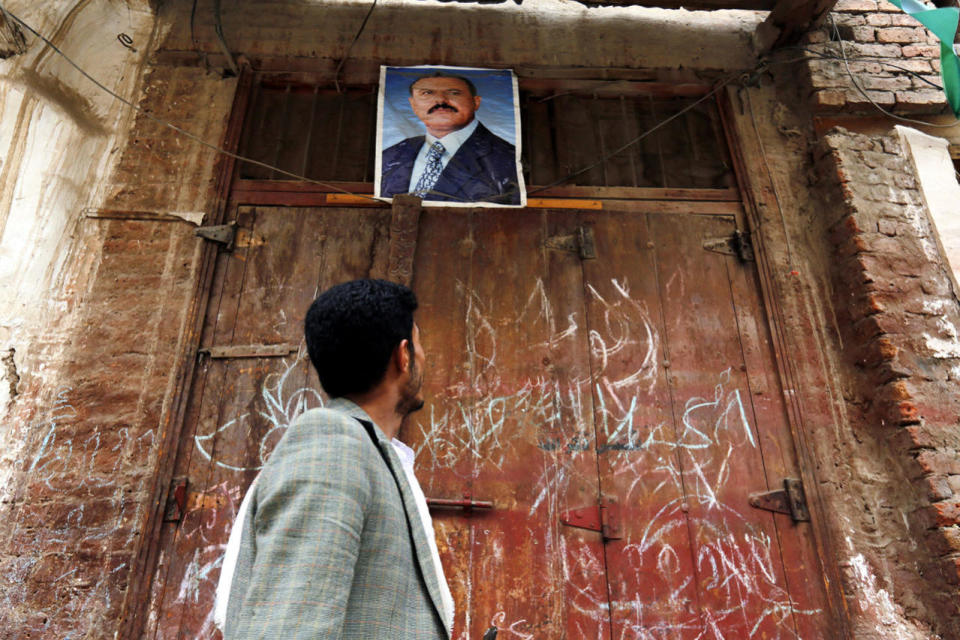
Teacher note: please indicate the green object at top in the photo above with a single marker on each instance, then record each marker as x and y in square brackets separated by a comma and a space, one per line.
[943, 24]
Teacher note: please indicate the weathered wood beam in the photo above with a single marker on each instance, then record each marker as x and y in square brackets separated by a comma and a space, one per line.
[12, 40]
[789, 20]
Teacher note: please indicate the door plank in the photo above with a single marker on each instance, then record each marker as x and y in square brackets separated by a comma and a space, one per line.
[246, 404]
[740, 576]
[514, 424]
[800, 559]
[651, 570]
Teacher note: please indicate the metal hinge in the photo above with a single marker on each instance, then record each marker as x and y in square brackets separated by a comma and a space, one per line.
[580, 243]
[176, 500]
[791, 500]
[248, 351]
[604, 517]
[737, 244]
[225, 234]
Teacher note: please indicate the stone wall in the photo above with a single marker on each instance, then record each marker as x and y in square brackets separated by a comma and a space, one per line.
[892, 57]
[91, 421]
[897, 315]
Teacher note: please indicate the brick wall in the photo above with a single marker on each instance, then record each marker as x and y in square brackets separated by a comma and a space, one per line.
[898, 319]
[894, 59]
[94, 405]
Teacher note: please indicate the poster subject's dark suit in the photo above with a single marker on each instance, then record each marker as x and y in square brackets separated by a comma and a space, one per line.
[484, 169]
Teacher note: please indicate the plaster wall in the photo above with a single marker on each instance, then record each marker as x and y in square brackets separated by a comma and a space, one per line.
[122, 291]
[58, 135]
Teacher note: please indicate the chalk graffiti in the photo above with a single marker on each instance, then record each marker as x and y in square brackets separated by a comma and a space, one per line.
[715, 571]
[691, 539]
[75, 464]
[282, 404]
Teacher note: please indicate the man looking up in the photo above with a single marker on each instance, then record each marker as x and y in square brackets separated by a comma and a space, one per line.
[458, 159]
[336, 540]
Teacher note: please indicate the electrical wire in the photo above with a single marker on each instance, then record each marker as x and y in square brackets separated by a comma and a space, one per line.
[346, 56]
[853, 80]
[174, 127]
[646, 133]
[762, 64]
[883, 61]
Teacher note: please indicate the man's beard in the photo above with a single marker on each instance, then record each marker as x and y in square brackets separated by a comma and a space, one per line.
[409, 396]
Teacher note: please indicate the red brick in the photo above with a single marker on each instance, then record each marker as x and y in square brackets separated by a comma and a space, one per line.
[901, 35]
[879, 19]
[863, 33]
[944, 540]
[855, 6]
[944, 462]
[902, 20]
[948, 512]
[887, 227]
[895, 83]
[872, 98]
[874, 50]
[937, 488]
[829, 98]
[925, 50]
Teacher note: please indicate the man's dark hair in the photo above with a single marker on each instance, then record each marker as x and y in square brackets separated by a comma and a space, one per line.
[442, 74]
[352, 329]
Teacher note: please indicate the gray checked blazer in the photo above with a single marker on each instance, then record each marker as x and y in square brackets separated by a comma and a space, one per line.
[326, 548]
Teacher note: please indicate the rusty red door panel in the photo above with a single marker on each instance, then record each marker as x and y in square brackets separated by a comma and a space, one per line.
[574, 359]
[509, 421]
[679, 355]
[240, 406]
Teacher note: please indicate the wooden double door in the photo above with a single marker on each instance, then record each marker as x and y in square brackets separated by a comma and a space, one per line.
[601, 378]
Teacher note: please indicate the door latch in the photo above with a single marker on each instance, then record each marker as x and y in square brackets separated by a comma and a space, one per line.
[581, 243]
[467, 503]
[224, 234]
[603, 517]
[791, 500]
[737, 244]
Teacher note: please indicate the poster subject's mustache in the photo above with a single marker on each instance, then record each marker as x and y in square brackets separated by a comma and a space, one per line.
[443, 105]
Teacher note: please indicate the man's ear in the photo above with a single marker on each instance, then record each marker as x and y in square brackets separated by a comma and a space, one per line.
[476, 102]
[401, 355]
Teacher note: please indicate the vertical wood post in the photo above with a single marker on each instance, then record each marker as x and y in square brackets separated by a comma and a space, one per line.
[404, 225]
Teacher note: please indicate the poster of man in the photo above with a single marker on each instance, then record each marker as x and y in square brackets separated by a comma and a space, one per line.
[450, 135]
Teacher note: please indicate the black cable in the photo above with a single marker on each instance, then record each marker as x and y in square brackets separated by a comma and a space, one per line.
[883, 61]
[863, 92]
[170, 125]
[643, 135]
[363, 25]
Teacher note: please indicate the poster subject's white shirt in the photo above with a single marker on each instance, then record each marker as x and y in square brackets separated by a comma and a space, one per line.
[451, 144]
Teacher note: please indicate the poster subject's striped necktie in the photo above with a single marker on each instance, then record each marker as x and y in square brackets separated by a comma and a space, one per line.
[431, 172]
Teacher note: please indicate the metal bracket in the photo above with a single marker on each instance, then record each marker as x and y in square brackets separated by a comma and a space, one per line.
[468, 504]
[604, 518]
[581, 243]
[791, 500]
[737, 244]
[176, 500]
[225, 234]
[248, 351]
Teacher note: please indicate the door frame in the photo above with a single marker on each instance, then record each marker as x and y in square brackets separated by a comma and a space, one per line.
[751, 204]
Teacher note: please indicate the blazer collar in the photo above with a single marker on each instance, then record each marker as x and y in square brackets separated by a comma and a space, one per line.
[422, 549]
